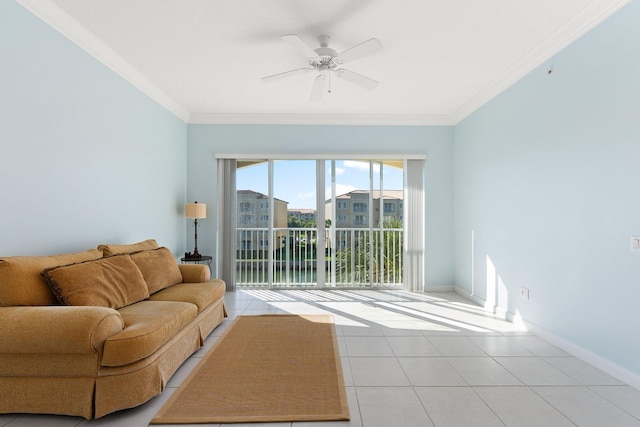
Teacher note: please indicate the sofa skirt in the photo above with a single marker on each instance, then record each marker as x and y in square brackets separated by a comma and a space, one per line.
[131, 385]
[47, 395]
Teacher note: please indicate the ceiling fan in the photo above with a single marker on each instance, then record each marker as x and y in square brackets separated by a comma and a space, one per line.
[324, 60]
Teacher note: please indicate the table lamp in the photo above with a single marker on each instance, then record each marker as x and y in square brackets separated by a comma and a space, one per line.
[196, 211]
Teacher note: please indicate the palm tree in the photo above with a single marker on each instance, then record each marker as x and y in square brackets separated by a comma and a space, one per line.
[375, 257]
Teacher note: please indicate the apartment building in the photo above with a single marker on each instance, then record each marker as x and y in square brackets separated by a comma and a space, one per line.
[304, 215]
[352, 208]
[254, 213]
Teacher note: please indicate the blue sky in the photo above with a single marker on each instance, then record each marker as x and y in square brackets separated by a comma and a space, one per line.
[295, 179]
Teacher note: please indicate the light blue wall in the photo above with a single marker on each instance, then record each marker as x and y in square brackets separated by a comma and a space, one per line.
[207, 140]
[85, 158]
[547, 183]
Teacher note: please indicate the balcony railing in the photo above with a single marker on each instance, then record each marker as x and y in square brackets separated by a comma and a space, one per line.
[353, 257]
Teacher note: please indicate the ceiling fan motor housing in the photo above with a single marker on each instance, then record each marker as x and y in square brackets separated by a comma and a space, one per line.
[326, 57]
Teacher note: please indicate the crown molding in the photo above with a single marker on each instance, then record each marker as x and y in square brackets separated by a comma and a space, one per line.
[586, 20]
[57, 18]
[324, 119]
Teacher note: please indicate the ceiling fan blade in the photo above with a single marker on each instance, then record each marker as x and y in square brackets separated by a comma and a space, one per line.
[356, 78]
[318, 88]
[362, 49]
[285, 74]
[300, 44]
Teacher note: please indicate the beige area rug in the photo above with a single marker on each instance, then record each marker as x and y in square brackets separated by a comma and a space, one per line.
[266, 368]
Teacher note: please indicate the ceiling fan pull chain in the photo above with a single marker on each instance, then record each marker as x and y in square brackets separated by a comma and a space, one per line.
[329, 82]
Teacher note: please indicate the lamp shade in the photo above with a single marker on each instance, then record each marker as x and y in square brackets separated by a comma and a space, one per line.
[195, 210]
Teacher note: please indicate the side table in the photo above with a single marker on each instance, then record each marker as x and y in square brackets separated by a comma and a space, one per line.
[197, 260]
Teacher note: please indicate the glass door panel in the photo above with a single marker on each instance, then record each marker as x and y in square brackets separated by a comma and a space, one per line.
[252, 223]
[285, 240]
[295, 228]
[365, 251]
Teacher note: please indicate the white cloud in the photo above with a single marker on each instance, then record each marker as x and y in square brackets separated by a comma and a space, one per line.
[339, 171]
[361, 165]
[340, 189]
[308, 195]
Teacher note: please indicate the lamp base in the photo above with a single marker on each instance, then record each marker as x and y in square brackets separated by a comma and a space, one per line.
[194, 255]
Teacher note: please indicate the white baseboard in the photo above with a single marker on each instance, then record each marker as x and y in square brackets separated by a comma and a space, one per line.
[500, 312]
[472, 297]
[516, 319]
[591, 358]
[439, 289]
[605, 365]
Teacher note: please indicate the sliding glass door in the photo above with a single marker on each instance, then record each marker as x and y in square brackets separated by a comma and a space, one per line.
[319, 223]
[364, 209]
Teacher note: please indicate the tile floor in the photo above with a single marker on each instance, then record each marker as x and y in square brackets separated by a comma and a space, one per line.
[423, 360]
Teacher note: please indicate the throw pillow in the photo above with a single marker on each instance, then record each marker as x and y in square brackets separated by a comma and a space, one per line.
[112, 250]
[20, 281]
[108, 282]
[158, 267]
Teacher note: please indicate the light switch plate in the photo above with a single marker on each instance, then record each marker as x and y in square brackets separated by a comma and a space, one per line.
[635, 243]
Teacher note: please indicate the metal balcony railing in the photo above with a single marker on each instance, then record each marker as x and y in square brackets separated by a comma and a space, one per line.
[353, 258]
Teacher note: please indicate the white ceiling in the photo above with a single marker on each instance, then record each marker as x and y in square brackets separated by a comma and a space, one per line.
[204, 59]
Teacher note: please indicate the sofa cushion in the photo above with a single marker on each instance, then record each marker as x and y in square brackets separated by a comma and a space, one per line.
[158, 267]
[148, 325]
[200, 294]
[112, 250]
[108, 282]
[20, 280]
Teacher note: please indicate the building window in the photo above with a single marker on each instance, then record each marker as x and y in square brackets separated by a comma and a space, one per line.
[245, 207]
[264, 218]
[264, 205]
[360, 220]
[389, 207]
[342, 218]
[342, 205]
[359, 207]
[245, 219]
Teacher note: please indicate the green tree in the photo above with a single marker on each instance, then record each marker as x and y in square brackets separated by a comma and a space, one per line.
[376, 256]
[294, 222]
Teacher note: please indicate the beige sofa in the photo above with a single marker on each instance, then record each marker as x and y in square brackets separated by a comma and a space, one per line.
[94, 332]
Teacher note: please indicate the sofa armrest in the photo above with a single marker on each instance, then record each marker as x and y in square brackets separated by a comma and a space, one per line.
[194, 273]
[57, 329]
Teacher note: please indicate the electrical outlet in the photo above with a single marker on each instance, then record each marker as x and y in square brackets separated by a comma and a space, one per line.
[524, 293]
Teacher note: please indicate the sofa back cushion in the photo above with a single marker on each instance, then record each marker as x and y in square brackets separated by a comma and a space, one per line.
[112, 250]
[20, 280]
[112, 282]
[158, 267]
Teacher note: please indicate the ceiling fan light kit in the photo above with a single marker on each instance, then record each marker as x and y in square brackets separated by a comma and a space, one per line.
[325, 59]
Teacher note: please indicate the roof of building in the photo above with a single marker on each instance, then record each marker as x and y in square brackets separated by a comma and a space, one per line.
[302, 211]
[260, 195]
[386, 194]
